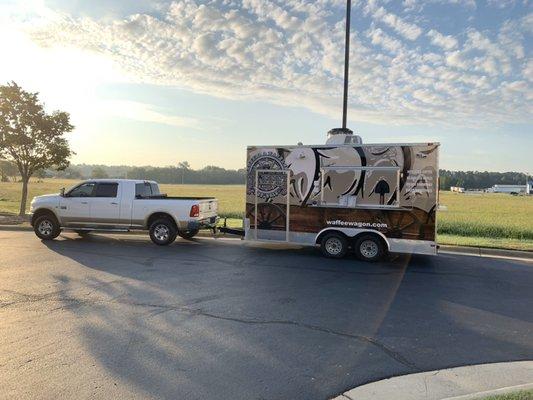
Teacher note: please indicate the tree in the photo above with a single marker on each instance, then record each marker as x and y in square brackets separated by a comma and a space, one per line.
[99, 173]
[30, 137]
[184, 166]
[8, 170]
[40, 174]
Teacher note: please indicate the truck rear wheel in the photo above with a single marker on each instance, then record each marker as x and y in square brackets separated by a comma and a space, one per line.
[46, 227]
[334, 245]
[369, 247]
[188, 234]
[162, 232]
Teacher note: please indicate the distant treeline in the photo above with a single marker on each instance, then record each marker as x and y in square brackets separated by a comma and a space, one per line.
[479, 180]
[183, 173]
[171, 174]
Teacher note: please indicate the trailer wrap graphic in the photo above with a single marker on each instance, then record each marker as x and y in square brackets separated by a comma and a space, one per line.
[392, 189]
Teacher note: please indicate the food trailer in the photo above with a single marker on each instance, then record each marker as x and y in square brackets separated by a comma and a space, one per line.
[344, 195]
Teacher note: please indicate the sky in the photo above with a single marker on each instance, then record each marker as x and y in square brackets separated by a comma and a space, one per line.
[159, 82]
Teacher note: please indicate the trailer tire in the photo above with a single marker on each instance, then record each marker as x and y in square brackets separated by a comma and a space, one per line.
[46, 227]
[163, 232]
[334, 245]
[188, 234]
[369, 247]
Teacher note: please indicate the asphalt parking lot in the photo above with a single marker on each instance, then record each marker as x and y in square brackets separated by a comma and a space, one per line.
[114, 316]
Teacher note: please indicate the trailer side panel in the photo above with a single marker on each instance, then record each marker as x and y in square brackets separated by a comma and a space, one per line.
[391, 190]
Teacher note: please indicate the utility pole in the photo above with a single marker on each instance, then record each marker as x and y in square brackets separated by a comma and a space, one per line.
[346, 63]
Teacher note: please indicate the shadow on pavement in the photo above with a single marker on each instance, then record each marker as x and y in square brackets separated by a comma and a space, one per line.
[213, 319]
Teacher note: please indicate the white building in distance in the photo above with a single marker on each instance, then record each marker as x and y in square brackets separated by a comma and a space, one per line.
[518, 189]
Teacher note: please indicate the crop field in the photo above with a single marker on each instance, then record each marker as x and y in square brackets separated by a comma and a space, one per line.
[492, 220]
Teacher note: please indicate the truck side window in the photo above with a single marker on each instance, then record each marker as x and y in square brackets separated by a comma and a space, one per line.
[83, 190]
[143, 190]
[106, 190]
[155, 189]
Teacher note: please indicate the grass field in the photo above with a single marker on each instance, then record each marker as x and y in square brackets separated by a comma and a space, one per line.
[489, 220]
[520, 395]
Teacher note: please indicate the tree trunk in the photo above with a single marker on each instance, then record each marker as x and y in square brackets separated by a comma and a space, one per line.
[24, 197]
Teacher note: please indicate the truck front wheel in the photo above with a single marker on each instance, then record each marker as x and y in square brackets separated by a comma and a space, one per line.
[46, 227]
[188, 234]
[162, 232]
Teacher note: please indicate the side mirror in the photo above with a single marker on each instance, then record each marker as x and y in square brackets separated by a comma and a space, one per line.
[62, 192]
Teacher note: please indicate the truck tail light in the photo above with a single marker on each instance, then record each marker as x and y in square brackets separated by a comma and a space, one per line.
[195, 211]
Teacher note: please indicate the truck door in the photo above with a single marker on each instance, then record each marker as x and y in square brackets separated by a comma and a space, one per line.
[105, 204]
[271, 213]
[75, 206]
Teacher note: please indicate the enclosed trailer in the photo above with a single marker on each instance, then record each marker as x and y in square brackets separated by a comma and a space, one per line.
[344, 195]
[371, 198]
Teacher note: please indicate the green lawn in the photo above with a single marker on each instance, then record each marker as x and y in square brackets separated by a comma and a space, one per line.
[520, 395]
[485, 220]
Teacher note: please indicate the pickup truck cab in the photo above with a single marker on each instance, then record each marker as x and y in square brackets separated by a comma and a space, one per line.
[122, 205]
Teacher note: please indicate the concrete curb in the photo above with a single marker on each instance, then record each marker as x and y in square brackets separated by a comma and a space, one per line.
[17, 227]
[458, 250]
[461, 383]
[487, 252]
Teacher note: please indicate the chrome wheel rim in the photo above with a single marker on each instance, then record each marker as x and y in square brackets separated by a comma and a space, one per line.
[161, 233]
[45, 228]
[334, 246]
[369, 248]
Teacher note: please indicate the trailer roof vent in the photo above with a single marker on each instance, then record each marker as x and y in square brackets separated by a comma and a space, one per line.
[343, 136]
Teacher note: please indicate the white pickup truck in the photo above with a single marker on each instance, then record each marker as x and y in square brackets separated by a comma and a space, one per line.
[122, 205]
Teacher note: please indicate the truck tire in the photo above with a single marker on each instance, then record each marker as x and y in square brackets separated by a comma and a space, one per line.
[369, 247]
[163, 232]
[46, 227]
[334, 245]
[188, 234]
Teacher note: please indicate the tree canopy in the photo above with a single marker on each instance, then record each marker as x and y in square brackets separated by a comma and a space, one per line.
[29, 136]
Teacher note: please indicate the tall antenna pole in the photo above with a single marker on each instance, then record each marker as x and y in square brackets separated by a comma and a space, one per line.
[346, 63]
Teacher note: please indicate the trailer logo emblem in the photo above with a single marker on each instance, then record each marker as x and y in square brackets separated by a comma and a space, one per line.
[271, 183]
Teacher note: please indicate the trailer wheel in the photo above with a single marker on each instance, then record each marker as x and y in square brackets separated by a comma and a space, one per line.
[46, 227]
[162, 232]
[369, 247]
[334, 245]
[188, 234]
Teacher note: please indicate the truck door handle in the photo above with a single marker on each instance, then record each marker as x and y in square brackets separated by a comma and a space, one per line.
[84, 202]
[115, 204]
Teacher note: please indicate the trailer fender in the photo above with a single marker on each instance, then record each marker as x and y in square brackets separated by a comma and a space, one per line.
[351, 233]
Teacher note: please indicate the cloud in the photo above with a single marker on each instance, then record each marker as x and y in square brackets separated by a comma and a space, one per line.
[378, 37]
[419, 5]
[137, 111]
[291, 53]
[438, 39]
[501, 3]
[407, 30]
